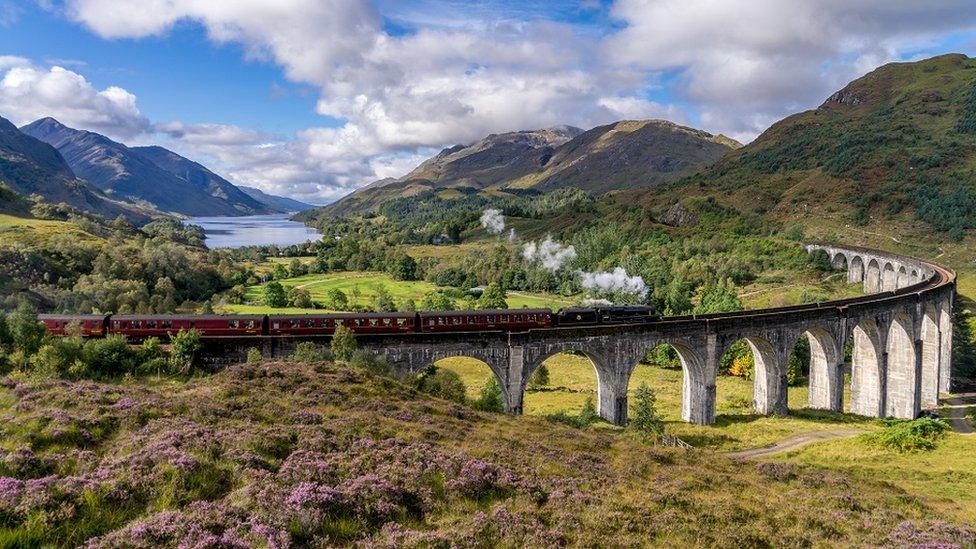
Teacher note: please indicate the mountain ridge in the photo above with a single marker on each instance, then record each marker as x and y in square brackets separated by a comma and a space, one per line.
[126, 174]
[281, 203]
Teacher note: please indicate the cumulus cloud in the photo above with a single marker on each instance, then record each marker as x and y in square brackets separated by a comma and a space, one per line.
[28, 92]
[461, 71]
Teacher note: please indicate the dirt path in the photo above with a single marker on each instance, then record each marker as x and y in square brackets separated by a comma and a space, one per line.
[957, 405]
[795, 442]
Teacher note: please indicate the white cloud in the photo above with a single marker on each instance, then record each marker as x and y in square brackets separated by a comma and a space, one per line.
[28, 92]
[464, 70]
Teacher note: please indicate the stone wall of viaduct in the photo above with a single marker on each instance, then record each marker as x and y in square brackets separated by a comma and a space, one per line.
[901, 335]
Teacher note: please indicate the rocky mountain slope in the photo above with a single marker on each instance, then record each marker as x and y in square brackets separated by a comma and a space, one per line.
[279, 203]
[202, 178]
[127, 174]
[29, 166]
[893, 151]
[622, 155]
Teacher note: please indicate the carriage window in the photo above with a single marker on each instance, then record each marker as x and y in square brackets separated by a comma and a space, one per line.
[401, 322]
[457, 320]
[249, 324]
[359, 322]
[151, 324]
[295, 323]
[504, 318]
[310, 323]
[137, 324]
[373, 322]
[167, 324]
[491, 318]
[387, 321]
[233, 324]
[276, 325]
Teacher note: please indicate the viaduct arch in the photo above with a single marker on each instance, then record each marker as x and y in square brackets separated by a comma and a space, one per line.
[901, 334]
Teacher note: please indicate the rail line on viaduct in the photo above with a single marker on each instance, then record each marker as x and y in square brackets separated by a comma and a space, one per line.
[901, 333]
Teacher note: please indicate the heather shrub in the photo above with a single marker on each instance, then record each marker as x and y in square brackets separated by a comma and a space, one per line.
[305, 351]
[442, 383]
[366, 360]
[254, 356]
[490, 398]
[343, 344]
[909, 436]
[55, 359]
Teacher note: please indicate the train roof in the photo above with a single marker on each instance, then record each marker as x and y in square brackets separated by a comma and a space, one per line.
[343, 315]
[183, 317]
[484, 312]
[71, 316]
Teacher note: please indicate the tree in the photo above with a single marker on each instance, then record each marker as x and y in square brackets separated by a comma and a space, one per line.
[490, 398]
[306, 351]
[185, 345]
[720, 298]
[300, 297]
[493, 297]
[26, 332]
[963, 346]
[408, 306]
[336, 300]
[588, 414]
[644, 419]
[442, 383]
[254, 356]
[109, 356]
[383, 302]
[297, 268]
[343, 344]
[539, 378]
[279, 271]
[274, 295]
[437, 301]
[402, 267]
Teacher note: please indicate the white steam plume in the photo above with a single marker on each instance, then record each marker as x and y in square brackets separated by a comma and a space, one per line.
[493, 221]
[549, 253]
[616, 281]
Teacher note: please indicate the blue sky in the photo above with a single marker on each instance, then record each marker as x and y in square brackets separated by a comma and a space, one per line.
[313, 98]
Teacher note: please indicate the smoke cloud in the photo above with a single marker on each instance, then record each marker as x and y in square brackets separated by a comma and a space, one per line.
[493, 221]
[549, 253]
[616, 281]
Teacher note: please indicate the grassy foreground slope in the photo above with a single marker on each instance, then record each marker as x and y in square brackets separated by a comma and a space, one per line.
[317, 454]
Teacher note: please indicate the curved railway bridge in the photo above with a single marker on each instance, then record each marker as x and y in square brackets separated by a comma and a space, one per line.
[901, 333]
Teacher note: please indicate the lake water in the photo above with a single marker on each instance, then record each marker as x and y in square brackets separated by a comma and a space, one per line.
[253, 230]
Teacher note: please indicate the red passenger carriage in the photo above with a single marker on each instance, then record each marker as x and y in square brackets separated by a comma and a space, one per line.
[376, 323]
[497, 319]
[87, 325]
[140, 326]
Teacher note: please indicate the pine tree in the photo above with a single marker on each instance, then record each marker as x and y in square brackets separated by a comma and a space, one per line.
[540, 377]
[343, 344]
[644, 419]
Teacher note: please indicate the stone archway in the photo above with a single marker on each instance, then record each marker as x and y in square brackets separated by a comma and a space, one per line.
[474, 372]
[769, 376]
[889, 278]
[931, 357]
[901, 379]
[902, 279]
[872, 277]
[611, 400]
[867, 397]
[855, 270]
[697, 388]
[826, 382]
[839, 261]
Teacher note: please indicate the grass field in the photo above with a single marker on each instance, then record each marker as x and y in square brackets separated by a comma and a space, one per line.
[573, 379]
[945, 476]
[361, 288]
[33, 233]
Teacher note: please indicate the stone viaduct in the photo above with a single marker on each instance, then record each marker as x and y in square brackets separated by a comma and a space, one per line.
[900, 336]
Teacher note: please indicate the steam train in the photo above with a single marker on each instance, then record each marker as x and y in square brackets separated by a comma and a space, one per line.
[143, 326]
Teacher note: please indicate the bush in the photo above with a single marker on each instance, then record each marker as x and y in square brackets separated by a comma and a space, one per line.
[366, 360]
[644, 417]
[343, 344]
[254, 356]
[184, 348]
[56, 358]
[109, 356]
[910, 436]
[305, 351]
[26, 333]
[539, 378]
[441, 383]
[490, 398]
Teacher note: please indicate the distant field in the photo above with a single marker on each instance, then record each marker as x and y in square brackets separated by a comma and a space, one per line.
[361, 288]
[36, 232]
[573, 379]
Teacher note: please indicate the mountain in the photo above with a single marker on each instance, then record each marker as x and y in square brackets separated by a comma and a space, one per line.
[894, 150]
[623, 155]
[127, 174]
[202, 178]
[279, 203]
[29, 166]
